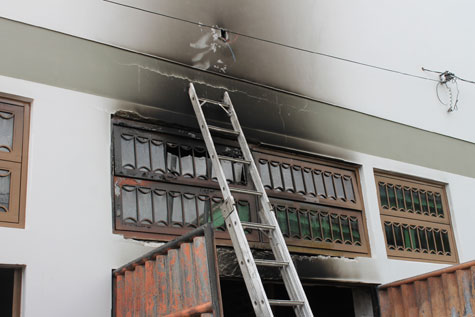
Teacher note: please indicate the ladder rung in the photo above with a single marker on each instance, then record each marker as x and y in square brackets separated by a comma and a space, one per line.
[259, 226]
[245, 191]
[232, 159]
[270, 263]
[214, 102]
[284, 302]
[223, 130]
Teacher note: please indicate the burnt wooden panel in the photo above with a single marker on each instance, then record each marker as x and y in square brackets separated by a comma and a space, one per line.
[164, 186]
[174, 209]
[304, 179]
[170, 158]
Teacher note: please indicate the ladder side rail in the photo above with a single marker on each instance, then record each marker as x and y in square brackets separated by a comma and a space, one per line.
[233, 223]
[277, 242]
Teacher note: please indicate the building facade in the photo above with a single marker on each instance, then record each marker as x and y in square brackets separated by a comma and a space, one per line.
[101, 158]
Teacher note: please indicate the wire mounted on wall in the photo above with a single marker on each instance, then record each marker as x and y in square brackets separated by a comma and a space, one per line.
[224, 36]
[448, 81]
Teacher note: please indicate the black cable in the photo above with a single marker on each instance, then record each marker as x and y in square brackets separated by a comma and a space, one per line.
[449, 74]
[465, 80]
[438, 95]
[455, 106]
[273, 42]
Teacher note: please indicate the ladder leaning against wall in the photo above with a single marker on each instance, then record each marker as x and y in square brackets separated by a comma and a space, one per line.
[282, 260]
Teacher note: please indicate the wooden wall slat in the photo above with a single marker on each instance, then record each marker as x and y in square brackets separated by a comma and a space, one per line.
[446, 292]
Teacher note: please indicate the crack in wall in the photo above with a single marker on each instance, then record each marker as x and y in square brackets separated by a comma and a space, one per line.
[139, 84]
[305, 108]
[282, 120]
[157, 71]
[196, 81]
[251, 96]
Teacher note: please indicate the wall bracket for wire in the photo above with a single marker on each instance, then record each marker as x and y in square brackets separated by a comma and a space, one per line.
[448, 80]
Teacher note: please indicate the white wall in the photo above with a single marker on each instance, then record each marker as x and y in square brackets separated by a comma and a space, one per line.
[68, 246]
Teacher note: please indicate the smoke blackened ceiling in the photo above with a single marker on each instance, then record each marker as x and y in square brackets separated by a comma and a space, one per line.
[260, 41]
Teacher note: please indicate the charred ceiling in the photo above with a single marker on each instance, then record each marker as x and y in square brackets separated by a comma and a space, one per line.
[263, 42]
[311, 268]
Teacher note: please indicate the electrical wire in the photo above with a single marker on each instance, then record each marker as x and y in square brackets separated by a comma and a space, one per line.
[232, 52]
[274, 43]
[448, 73]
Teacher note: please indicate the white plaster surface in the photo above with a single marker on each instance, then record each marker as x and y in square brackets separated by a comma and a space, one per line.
[68, 246]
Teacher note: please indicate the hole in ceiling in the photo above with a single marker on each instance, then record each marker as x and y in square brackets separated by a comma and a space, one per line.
[224, 35]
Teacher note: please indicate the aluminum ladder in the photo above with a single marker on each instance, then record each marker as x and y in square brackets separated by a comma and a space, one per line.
[282, 260]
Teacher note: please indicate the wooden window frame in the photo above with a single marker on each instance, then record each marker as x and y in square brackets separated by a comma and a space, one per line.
[335, 207]
[17, 287]
[166, 181]
[17, 160]
[402, 212]
[331, 206]
[161, 232]
[333, 169]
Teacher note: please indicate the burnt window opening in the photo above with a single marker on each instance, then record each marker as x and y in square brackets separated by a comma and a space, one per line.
[325, 301]
[10, 291]
[415, 218]
[164, 185]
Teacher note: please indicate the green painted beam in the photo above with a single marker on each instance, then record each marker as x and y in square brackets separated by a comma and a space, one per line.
[56, 59]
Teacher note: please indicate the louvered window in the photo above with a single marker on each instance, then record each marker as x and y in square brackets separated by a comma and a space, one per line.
[14, 129]
[415, 218]
[164, 186]
[317, 203]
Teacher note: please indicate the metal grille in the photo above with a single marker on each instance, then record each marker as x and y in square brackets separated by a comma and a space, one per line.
[317, 205]
[165, 157]
[173, 209]
[415, 218]
[164, 186]
[304, 180]
[308, 225]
